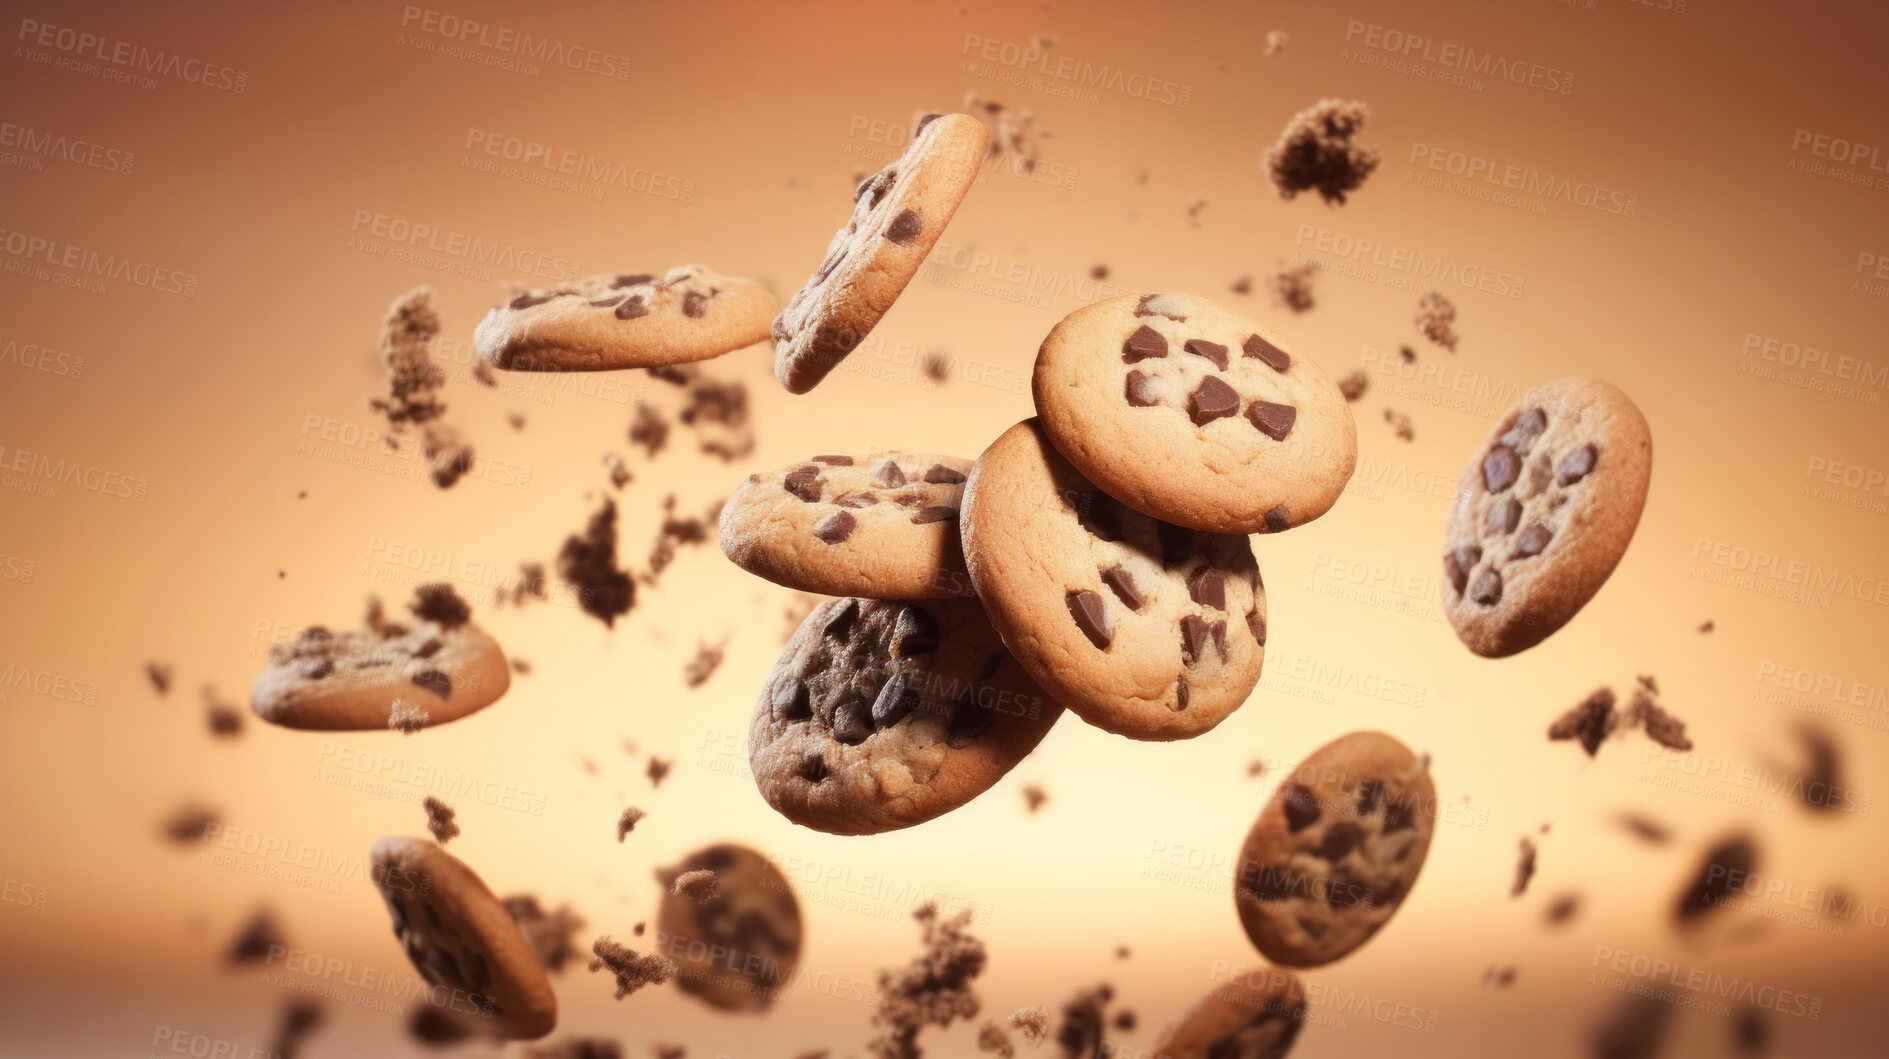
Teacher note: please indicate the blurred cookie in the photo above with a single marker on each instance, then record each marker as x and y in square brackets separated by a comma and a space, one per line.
[1256, 1015]
[898, 214]
[882, 715]
[1146, 629]
[1189, 412]
[885, 527]
[461, 939]
[1544, 513]
[737, 948]
[636, 320]
[441, 667]
[1334, 853]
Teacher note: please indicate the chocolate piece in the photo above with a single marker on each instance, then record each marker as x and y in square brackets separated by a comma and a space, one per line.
[1488, 588]
[855, 500]
[969, 717]
[1213, 351]
[1212, 400]
[1180, 694]
[1091, 617]
[634, 279]
[939, 474]
[1193, 639]
[895, 701]
[1532, 541]
[1208, 587]
[1590, 721]
[1301, 808]
[1275, 358]
[804, 482]
[934, 513]
[1277, 520]
[852, 722]
[1177, 542]
[905, 228]
[814, 769]
[1273, 420]
[1123, 585]
[886, 474]
[1397, 815]
[693, 304]
[840, 622]
[1140, 390]
[1144, 343]
[791, 701]
[439, 604]
[632, 308]
[1575, 465]
[1727, 866]
[434, 681]
[1521, 437]
[1502, 516]
[1256, 624]
[1500, 468]
[914, 633]
[1370, 796]
[836, 527]
[826, 267]
[834, 461]
[1341, 838]
[1458, 563]
[1098, 514]
[526, 301]
[608, 302]
[924, 121]
[834, 340]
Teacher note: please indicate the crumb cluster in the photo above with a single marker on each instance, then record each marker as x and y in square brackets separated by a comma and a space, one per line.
[632, 971]
[935, 989]
[1318, 151]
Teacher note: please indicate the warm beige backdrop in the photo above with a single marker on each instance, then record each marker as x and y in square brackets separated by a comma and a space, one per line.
[759, 115]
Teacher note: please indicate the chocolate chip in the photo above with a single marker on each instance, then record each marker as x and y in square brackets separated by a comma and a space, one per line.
[1140, 390]
[1502, 516]
[1521, 437]
[526, 301]
[1218, 630]
[434, 681]
[836, 527]
[1213, 351]
[1098, 514]
[969, 717]
[895, 701]
[1575, 465]
[834, 461]
[914, 633]
[840, 622]
[1123, 585]
[632, 279]
[1370, 795]
[1208, 587]
[924, 121]
[1278, 520]
[855, 500]
[632, 308]
[1193, 639]
[834, 340]
[1301, 808]
[1270, 882]
[1273, 420]
[1341, 838]
[1396, 815]
[804, 482]
[1458, 563]
[852, 722]
[607, 303]
[886, 475]
[905, 228]
[882, 185]
[934, 513]
[1275, 358]
[1144, 343]
[791, 701]
[427, 649]
[692, 304]
[321, 669]
[826, 267]
[1177, 542]
[939, 474]
[814, 769]
[1532, 540]
[1500, 468]
[1212, 399]
[1488, 588]
[1091, 617]
[1180, 694]
[1256, 624]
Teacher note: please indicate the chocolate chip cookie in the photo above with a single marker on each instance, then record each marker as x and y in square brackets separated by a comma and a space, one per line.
[881, 715]
[1255, 1015]
[626, 320]
[1190, 413]
[1144, 628]
[460, 938]
[1335, 852]
[898, 215]
[885, 527]
[1543, 514]
[441, 664]
[736, 949]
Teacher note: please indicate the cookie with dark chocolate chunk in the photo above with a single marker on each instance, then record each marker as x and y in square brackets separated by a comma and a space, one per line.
[737, 948]
[626, 320]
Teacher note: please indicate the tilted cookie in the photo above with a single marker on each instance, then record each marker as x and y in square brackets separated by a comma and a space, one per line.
[882, 715]
[1334, 853]
[884, 527]
[631, 320]
[898, 215]
[737, 949]
[1189, 412]
[462, 940]
[1544, 513]
[439, 669]
[1255, 1015]
[1146, 629]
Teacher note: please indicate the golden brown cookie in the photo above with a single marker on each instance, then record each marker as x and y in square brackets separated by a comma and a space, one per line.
[1256, 1014]
[626, 320]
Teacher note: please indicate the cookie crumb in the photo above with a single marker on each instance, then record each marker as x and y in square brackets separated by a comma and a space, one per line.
[1751, 1031]
[440, 820]
[300, 1018]
[649, 429]
[1707, 626]
[435, 1027]
[1121, 952]
[1590, 721]
[413, 380]
[189, 823]
[586, 1048]
[159, 674]
[1436, 315]
[1646, 829]
[1400, 425]
[1293, 286]
[1354, 385]
[1644, 711]
[1563, 910]
[658, 768]
[588, 563]
[483, 375]
[1821, 780]
[449, 456]
[1125, 1021]
[1500, 977]
[992, 1038]
[1256, 768]
[934, 989]
[516, 420]
[703, 665]
[1034, 797]
[1099, 272]
[1032, 1022]
[1634, 1029]
[224, 719]
[439, 604]
[676, 532]
[259, 937]
[407, 717]
[521, 667]
[1725, 867]
[632, 971]
[620, 475]
[551, 935]
[627, 822]
[718, 413]
[668, 1051]
[1276, 41]
[697, 886]
[1524, 867]
[1317, 151]
[1085, 1018]
[937, 366]
[638, 929]
[1242, 286]
[1194, 206]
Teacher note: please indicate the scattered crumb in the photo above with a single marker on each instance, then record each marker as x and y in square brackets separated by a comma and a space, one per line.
[1121, 952]
[259, 937]
[1751, 1030]
[1085, 1018]
[1635, 1029]
[718, 413]
[440, 820]
[449, 457]
[627, 822]
[407, 717]
[1032, 1022]
[159, 674]
[649, 429]
[1524, 867]
[1821, 788]
[1646, 828]
[521, 667]
[632, 972]
[1099, 272]
[1563, 909]
[1436, 316]
[411, 324]
[1317, 152]
[658, 768]
[1013, 132]
[1125, 1021]
[678, 531]
[992, 1038]
[1724, 869]
[1354, 385]
[1644, 712]
[1194, 206]
[668, 1051]
[437, 1027]
[1500, 977]
[588, 563]
[1400, 425]
[552, 935]
[581, 1048]
[189, 823]
[703, 665]
[638, 929]
[482, 373]
[300, 1018]
[937, 366]
[620, 475]
[1292, 286]
[1241, 286]
[516, 420]
[934, 989]
[1707, 626]
[1409, 355]
[1276, 41]
[697, 886]
[589, 765]
[1034, 796]
[439, 604]
[1590, 721]
[224, 719]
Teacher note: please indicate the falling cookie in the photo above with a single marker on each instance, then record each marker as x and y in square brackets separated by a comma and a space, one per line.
[631, 320]
[881, 715]
[1543, 514]
[442, 665]
[1190, 413]
[1257, 1015]
[461, 938]
[737, 949]
[885, 527]
[1334, 853]
[898, 215]
[1143, 628]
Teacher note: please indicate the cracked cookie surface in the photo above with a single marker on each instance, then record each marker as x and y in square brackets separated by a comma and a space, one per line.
[880, 715]
[1336, 850]
[1142, 628]
[626, 320]
[1190, 413]
[738, 948]
[883, 526]
[1543, 514]
[898, 215]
